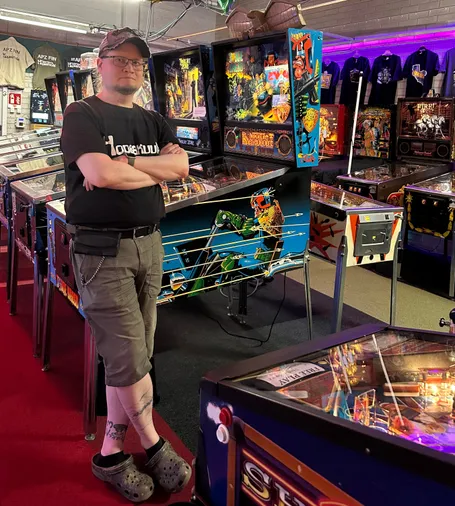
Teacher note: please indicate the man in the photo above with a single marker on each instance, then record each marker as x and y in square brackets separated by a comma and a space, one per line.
[116, 154]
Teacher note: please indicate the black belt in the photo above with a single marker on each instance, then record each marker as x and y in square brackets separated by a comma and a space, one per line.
[132, 233]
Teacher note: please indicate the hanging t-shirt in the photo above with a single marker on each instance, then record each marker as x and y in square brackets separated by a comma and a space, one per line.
[47, 64]
[14, 60]
[448, 88]
[72, 59]
[384, 76]
[419, 70]
[329, 81]
[350, 77]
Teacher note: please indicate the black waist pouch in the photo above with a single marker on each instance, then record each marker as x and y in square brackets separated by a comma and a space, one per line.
[96, 242]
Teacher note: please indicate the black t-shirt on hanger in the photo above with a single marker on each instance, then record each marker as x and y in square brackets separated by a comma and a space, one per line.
[419, 70]
[384, 76]
[350, 76]
[330, 79]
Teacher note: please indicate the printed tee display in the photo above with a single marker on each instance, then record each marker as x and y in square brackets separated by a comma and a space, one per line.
[350, 77]
[72, 59]
[384, 76]
[14, 60]
[47, 64]
[329, 81]
[448, 88]
[419, 70]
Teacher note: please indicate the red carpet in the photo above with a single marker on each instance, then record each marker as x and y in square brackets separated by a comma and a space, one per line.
[44, 459]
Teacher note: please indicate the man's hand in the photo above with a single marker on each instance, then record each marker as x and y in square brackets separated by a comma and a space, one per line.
[88, 186]
[171, 149]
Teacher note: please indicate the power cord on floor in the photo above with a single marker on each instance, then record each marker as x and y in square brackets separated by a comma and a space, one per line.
[255, 339]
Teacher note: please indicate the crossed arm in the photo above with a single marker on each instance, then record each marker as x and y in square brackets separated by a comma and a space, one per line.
[101, 171]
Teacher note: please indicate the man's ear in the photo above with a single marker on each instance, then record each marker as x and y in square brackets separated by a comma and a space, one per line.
[99, 63]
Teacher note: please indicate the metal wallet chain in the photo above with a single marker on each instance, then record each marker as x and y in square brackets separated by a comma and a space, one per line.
[83, 283]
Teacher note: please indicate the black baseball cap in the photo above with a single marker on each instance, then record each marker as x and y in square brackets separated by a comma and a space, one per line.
[116, 38]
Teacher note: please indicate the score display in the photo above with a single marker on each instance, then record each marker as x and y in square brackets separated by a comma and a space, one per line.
[191, 133]
[258, 139]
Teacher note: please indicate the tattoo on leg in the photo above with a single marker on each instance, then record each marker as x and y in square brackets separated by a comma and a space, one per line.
[116, 431]
[146, 401]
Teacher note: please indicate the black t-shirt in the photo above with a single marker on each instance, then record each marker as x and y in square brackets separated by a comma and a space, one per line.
[115, 131]
[384, 76]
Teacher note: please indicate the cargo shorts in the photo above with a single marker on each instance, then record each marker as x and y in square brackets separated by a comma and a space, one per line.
[119, 297]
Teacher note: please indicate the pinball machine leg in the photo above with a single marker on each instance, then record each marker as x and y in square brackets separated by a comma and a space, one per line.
[452, 269]
[340, 276]
[394, 284]
[13, 277]
[308, 305]
[243, 301]
[9, 260]
[90, 378]
[37, 307]
[47, 325]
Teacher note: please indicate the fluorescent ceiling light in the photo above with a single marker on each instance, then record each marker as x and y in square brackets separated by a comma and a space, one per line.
[41, 16]
[324, 4]
[40, 23]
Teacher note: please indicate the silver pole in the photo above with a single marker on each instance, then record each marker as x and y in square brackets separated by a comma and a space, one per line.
[356, 115]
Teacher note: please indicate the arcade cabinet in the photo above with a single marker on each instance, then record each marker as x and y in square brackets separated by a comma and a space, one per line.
[424, 148]
[363, 417]
[185, 88]
[249, 209]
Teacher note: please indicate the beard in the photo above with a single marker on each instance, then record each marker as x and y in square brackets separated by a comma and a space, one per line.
[126, 90]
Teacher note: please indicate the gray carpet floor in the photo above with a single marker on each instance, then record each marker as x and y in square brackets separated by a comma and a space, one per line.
[190, 342]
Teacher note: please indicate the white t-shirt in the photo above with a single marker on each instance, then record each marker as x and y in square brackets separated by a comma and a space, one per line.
[14, 60]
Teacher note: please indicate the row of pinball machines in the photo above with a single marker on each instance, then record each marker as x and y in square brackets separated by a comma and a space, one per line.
[420, 180]
[250, 207]
[378, 400]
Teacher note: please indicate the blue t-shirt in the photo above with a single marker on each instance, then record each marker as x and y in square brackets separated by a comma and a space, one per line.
[448, 88]
[419, 70]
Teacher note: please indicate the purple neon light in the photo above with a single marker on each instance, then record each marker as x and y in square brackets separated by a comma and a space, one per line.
[399, 39]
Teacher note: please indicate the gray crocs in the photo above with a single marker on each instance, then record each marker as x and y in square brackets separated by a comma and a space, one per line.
[169, 470]
[126, 478]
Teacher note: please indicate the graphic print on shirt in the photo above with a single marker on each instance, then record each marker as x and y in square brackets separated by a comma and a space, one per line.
[385, 76]
[354, 75]
[130, 149]
[326, 81]
[418, 74]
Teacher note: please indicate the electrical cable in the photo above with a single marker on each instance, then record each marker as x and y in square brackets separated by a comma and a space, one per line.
[255, 339]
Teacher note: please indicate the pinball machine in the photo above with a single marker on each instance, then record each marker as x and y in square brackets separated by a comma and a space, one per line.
[365, 416]
[423, 150]
[55, 104]
[428, 238]
[333, 130]
[28, 202]
[348, 230]
[249, 209]
[30, 164]
[185, 88]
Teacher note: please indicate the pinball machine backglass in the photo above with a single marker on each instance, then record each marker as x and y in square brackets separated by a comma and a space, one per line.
[343, 421]
[373, 133]
[425, 128]
[187, 98]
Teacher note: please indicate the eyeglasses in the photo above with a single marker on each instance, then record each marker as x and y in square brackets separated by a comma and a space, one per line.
[121, 62]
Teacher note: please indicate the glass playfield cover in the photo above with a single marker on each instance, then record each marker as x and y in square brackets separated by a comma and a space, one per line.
[398, 382]
[43, 186]
[258, 84]
[387, 172]
[441, 184]
[340, 198]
